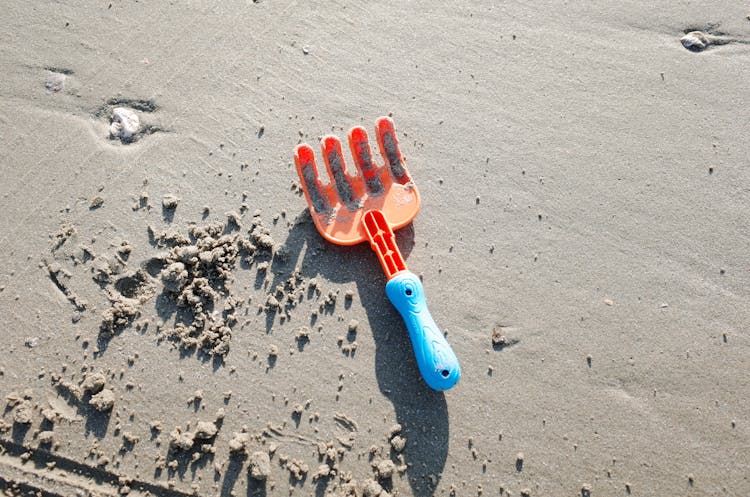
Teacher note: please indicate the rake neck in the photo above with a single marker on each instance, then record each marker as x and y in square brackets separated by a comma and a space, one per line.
[383, 242]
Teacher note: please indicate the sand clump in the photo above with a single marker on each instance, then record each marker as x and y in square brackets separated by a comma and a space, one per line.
[371, 488]
[50, 415]
[205, 430]
[197, 277]
[260, 465]
[184, 439]
[297, 468]
[498, 337]
[181, 440]
[46, 437]
[22, 407]
[130, 439]
[23, 413]
[122, 313]
[170, 201]
[96, 202]
[324, 471]
[239, 442]
[384, 469]
[93, 383]
[94, 386]
[398, 443]
[103, 401]
[126, 291]
[303, 335]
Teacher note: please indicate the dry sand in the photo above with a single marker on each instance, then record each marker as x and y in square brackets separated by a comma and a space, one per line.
[174, 324]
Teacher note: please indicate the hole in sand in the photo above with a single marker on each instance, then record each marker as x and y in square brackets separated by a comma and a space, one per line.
[131, 286]
[154, 265]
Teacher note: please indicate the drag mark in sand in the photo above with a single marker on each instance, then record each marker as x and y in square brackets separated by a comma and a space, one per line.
[55, 273]
[69, 477]
[345, 422]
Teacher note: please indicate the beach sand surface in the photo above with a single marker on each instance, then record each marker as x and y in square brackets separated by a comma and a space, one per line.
[174, 324]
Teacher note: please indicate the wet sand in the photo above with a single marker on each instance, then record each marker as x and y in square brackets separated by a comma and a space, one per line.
[174, 324]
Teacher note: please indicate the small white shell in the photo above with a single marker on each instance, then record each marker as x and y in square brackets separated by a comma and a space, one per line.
[125, 124]
[695, 41]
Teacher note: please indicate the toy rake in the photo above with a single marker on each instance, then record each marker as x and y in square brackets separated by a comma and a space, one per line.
[369, 206]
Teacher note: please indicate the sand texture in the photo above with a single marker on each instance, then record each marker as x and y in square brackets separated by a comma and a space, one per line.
[173, 324]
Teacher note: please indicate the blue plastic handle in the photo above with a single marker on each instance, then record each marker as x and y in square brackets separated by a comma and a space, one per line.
[436, 360]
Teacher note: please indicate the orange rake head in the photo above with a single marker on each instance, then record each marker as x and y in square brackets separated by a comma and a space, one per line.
[339, 206]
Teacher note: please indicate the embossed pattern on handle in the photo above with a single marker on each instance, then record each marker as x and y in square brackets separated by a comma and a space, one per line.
[436, 360]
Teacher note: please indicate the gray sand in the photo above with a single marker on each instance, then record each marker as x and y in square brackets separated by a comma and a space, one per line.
[596, 296]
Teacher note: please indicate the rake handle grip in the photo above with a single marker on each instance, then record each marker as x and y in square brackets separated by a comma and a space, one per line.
[436, 360]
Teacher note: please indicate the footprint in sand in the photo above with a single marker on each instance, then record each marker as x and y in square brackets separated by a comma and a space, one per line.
[698, 41]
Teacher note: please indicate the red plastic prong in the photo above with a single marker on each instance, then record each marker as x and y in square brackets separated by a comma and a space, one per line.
[383, 242]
